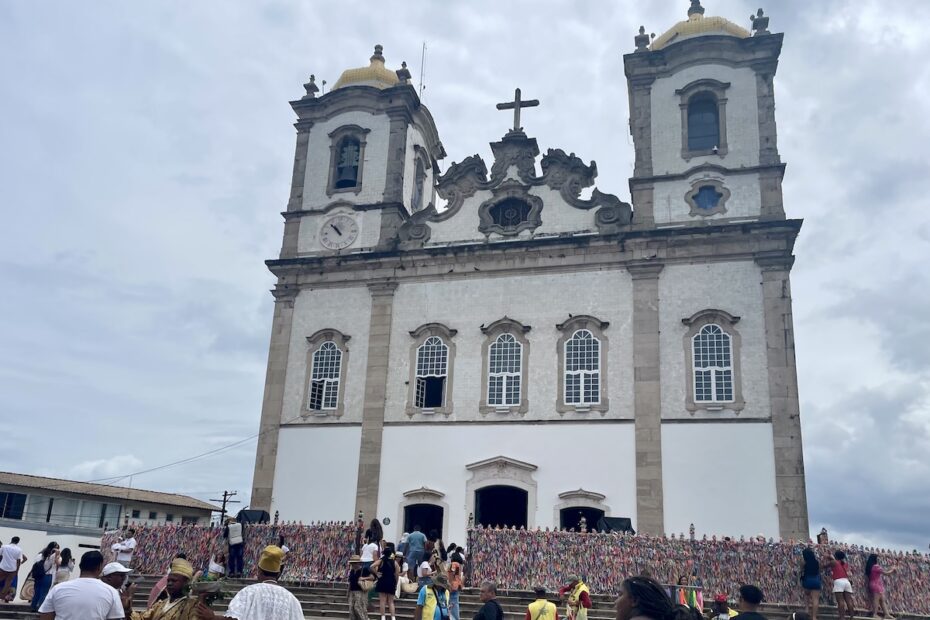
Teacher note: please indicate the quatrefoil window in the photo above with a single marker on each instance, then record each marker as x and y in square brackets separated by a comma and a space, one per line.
[707, 197]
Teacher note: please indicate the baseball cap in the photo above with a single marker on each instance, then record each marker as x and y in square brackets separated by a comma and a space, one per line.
[114, 567]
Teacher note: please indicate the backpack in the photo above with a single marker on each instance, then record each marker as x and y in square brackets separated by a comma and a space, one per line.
[38, 570]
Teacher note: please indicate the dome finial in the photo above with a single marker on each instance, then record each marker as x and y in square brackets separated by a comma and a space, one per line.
[695, 8]
[403, 74]
[378, 56]
[642, 40]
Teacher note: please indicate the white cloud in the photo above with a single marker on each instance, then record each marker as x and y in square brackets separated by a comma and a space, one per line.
[120, 465]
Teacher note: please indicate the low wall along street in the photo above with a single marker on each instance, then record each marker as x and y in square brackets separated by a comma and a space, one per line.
[520, 559]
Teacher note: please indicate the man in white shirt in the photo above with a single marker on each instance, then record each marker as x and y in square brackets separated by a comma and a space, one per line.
[84, 598]
[125, 548]
[263, 600]
[11, 558]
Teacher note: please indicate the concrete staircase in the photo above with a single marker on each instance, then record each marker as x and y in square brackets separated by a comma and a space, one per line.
[329, 601]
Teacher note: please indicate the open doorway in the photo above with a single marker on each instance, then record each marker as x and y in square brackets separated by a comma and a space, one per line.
[501, 505]
[569, 518]
[427, 516]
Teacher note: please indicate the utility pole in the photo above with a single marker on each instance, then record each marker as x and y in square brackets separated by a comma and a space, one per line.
[227, 495]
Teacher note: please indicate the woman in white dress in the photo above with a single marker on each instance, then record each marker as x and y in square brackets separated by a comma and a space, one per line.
[65, 566]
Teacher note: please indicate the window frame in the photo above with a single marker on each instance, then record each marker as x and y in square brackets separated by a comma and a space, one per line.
[696, 185]
[420, 158]
[701, 89]
[492, 332]
[336, 138]
[314, 343]
[420, 335]
[726, 322]
[569, 328]
[510, 190]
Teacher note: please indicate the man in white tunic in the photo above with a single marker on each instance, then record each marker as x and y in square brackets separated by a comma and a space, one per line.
[264, 600]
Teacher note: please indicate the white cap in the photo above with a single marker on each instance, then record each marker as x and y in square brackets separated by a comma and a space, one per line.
[114, 567]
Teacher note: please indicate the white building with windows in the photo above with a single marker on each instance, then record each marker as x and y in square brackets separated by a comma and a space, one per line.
[74, 514]
[523, 355]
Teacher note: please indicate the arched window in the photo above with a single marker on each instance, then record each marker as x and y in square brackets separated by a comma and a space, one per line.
[712, 352]
[582, 369]
[703, 123]
[419, 177]
[432, 370]
[505, 366]
[324, 378]
[347, 161]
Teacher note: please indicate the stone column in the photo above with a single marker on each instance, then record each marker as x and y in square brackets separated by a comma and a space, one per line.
[273, 401]
[783, 397]
[641, 130]
[379, 346]
[650, 517]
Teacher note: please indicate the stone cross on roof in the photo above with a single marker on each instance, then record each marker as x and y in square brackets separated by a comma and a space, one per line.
[515, 105]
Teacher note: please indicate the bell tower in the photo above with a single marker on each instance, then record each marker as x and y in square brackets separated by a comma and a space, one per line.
[702, 117]
[367, 154]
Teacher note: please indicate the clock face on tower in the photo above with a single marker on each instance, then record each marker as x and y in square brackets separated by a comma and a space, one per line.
[338, 232]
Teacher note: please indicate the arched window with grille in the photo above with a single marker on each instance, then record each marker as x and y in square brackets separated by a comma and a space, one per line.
[327, 356]
[324, 379]
[713, 365]
[582, 369]
[703, 123]
[432, 371]
[505, 364]
[712, 352]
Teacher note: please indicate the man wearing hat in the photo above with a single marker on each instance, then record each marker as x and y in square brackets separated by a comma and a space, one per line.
[114, 575]
[579, 599]
[433, 601]
[178, 606]
[720, 610]
[542, 608]
[265, 600]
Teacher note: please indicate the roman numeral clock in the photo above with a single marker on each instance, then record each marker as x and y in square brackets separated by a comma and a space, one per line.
[338, 232]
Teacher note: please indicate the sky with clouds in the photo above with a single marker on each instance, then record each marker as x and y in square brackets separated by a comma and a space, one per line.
[146, 151]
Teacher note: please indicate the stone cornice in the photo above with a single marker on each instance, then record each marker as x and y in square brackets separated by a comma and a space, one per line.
[645, 270]
[754, 52]
[709, 243]
[706, 167]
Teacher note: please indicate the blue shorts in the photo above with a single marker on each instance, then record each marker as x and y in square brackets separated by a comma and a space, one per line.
[812, 583]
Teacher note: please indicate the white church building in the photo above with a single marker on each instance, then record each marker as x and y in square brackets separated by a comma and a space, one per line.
[523, 355]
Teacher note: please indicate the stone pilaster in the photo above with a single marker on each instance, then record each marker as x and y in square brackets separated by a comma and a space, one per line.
[650, 512]
[783, 396]
[641, 131]
[296, 201]
[397, 154]
[273, 400]
[379, 346]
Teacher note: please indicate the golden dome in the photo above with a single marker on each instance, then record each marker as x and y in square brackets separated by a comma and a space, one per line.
[375, 74]
[696, 25]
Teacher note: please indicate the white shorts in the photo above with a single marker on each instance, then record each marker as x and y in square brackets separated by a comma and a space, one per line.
[842, 585]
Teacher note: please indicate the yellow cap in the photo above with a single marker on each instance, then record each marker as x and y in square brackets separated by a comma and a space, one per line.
[695, 25]
[271, 558]
[375, 74]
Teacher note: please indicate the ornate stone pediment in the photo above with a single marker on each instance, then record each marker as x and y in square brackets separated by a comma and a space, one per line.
[581, 494]
[565, 173]
[424, 494]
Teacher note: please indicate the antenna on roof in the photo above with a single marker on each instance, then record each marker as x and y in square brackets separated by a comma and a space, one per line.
[422, 87]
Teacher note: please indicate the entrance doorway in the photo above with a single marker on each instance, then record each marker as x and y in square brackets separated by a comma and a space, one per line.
[569, 518]
[501, 505]
[427, 516]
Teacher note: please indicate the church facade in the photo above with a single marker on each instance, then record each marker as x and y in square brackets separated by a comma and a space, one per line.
[526, 356]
